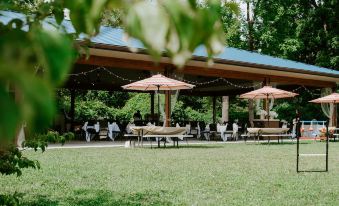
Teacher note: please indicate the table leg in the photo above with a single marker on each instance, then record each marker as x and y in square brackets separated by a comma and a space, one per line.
[158, 142]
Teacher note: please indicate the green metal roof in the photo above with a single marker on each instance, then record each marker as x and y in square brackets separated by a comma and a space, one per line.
[114, 37]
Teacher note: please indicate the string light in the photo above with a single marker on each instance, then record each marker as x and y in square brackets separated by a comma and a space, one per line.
[185, 80]
[106, 70]
[310, 92]
[307, 90]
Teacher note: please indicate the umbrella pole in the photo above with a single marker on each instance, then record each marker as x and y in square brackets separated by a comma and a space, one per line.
[158, 103]
[268, 112]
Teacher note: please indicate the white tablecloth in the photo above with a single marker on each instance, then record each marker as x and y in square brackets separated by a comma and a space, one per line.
[113, 130]
[128, 128]
[267, 130]
[222, 129]
[156, 130]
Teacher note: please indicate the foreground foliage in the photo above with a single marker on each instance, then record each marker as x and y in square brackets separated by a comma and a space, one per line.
[34, 66]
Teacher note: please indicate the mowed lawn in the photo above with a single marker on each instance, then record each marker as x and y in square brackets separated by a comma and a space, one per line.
[218, 174]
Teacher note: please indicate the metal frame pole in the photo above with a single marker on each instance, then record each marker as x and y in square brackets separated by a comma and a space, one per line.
[298, 136]
[327, 140]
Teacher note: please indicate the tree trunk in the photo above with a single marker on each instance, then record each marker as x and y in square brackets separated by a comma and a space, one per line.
[250, 28]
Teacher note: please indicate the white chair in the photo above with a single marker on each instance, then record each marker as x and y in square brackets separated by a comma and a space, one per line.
[235, 131]
[91, 130]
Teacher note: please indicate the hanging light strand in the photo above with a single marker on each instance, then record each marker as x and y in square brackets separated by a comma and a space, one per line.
[310, 92]
[187, 81]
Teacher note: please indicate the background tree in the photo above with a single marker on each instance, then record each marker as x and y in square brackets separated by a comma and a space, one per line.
[301, 30]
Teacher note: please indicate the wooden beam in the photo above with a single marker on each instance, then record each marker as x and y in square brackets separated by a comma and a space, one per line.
[121, 63]
[199, 71]
[251, 76]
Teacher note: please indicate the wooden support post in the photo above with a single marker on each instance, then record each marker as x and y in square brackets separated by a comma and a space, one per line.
[334, 112]
[168, 108]
[167, 72]
[152, 105]
[72, 109]
[225, 107]
[214, 109]
[251, 112]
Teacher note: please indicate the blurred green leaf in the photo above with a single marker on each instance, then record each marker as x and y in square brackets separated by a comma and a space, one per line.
[10, 115]
[85, 15]
[56, 54]
[172, 26]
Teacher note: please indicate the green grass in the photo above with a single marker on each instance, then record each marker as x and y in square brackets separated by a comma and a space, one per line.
[231, 174]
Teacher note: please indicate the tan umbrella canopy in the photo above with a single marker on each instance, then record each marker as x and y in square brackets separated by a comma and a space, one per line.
[268, 92]
[156, 83]
[332, 98]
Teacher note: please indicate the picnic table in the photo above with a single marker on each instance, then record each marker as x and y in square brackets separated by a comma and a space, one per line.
[160, 132]
[268, 132]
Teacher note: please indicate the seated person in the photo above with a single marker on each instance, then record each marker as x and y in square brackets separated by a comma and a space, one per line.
[137, 116]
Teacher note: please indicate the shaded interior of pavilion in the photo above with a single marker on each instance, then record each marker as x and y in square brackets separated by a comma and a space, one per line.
[93, 77]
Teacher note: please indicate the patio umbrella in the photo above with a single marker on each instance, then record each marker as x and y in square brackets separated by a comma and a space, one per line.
[332, 98]
[268, 92]
[156, 83]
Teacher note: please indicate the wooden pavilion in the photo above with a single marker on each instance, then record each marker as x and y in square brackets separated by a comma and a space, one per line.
[111, 64]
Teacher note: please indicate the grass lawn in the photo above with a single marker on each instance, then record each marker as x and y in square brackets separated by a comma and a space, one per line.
[219, 174]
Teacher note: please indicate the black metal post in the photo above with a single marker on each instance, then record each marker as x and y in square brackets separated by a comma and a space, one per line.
[298, 136]
[327, 140]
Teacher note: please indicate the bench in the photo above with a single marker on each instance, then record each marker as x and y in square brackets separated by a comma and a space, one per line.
[275, 135]
[175, 138]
